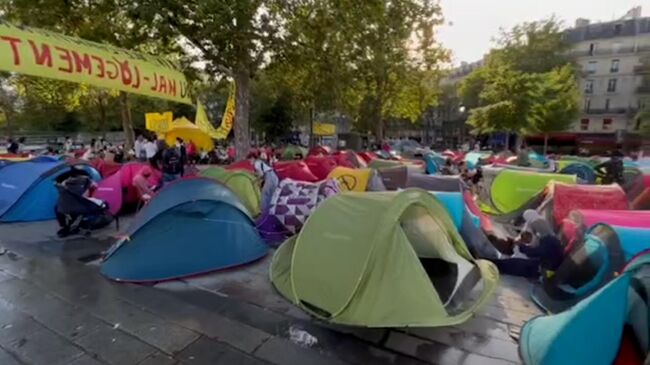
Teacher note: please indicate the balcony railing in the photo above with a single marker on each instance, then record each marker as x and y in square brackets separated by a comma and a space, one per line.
[609, 111]
[643, 89]
[642, 69]
[603, 51]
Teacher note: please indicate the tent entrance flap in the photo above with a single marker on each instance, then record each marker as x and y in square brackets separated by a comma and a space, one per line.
[446, 269]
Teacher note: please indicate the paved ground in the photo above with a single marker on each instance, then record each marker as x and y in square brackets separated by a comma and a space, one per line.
[55, 308]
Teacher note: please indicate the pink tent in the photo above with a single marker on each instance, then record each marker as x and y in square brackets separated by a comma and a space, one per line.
[570, 197]
[580, 220]
[321, 166]
[295, 170]
[118, 189]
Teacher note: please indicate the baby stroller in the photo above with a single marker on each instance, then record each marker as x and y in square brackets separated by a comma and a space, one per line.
[76, 214]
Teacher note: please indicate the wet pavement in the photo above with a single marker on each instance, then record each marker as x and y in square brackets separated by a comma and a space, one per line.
[55, 308]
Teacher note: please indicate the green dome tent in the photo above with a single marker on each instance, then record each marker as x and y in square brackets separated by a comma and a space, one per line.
[291, 151]
[359, 252]
[242, 183]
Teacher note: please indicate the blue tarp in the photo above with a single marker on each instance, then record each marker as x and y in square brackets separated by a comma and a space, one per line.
[191, 227]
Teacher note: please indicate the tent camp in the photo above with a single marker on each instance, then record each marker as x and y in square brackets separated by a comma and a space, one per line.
[590, 265]
[118, 190]
[189, 131]
[579, 221]
[242, 183]
[583, 170]
[27, 191]
[507, 191]
[191, 227]
[359, 252]
[609, 327]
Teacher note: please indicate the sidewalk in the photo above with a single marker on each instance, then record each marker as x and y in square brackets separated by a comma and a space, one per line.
[56, 309]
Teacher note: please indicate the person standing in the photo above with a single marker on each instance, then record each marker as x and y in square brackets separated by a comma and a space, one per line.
[139, 150]
[180, 144]
[268, 178]
[12, 147]
[67, 145]
[172, 166]
[612, 169]
[150, 150]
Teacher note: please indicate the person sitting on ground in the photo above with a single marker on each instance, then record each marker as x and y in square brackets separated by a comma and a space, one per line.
[447, 168]
[141, 182]
[172, 165]
[538, 242]
[612, 169]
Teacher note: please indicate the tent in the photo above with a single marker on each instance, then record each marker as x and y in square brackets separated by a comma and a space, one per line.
[510, 190]
[294, 201]
[105, 168]
[27, 191]
[192, 226]
[189, 131]
[291, 151]
[118, 190]
[580, 220]
[351, 179]
[387, 259]
[245, 165]
[295, 170]
[242, 183]
[367, 156]
[642, 201]
[321, 166]
[609, 327]
[634, 182]
[319, 151]
[402, 177]
[349, 158]
[590, 265]
[584, 171]
[562, 198]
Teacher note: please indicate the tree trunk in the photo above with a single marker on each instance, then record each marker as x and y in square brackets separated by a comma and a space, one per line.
[379, 120]
[311, 127]
[102, 116]
[507, 145]
[127, 121]
[545, 143]
[242, 110]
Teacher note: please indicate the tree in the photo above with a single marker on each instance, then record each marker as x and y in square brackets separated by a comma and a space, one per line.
[231, 38]
[526, 86]
[276, 122]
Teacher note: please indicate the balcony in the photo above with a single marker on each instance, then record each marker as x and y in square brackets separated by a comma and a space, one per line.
[642, 70]
[606, 51]
[607, 111]
[643, 89]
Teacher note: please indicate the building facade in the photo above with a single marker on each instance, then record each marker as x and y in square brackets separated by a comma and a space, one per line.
[613, 57]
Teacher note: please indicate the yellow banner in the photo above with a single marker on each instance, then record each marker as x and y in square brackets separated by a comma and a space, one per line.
[227, 121]
[42, 53]
[324, 129]
[159, 122]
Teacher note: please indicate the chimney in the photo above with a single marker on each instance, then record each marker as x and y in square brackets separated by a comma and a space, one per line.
[582, 22]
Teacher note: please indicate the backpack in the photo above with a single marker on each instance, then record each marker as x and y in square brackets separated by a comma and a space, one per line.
[171, 161]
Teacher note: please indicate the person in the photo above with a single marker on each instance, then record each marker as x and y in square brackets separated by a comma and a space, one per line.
[268, 178]
[447, 168]
[12, 147]
[465, 146]
[79, 184]
[119, 154]
[90, 153]
[538, 242]
[231, 153]
[67, 145]
[192, 153]
[180, 144]
[612, 169]
[141, 182]
[522, 157]
[171, 164]
[139, 150]
[150, 149]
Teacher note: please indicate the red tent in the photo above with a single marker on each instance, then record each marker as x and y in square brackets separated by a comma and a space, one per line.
[245, 165]
[367, 156]
[350, 158]
[105, 169]
[570, 197]
[295, 170]
[319, 151]
[321, 166]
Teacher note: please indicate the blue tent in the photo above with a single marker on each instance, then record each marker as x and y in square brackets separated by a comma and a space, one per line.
[584, 171]
[27, 191]
[191, 227]
[591, 332]
[603, 253]
[433, 162]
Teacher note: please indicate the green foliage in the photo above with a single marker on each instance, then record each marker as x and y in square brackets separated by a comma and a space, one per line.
[526, 86]
[276, 121]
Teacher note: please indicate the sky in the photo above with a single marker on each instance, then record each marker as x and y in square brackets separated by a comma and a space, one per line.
[471, 25]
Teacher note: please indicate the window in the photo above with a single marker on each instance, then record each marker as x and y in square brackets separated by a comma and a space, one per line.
[614, 67]
[589, 87]
[616, 47]
[584, 124]
[607, 105]
[607, 124]
[587, 104]
[592, 49]
[611, 86]
[591, 67]
[618, 28]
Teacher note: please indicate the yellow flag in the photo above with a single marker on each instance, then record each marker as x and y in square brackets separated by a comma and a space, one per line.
[159, 122]
[227, 121]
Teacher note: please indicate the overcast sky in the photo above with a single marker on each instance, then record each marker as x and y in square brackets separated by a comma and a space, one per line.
[470, 25]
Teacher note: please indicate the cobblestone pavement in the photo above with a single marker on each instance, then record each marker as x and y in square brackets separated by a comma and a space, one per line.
[55, 308]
